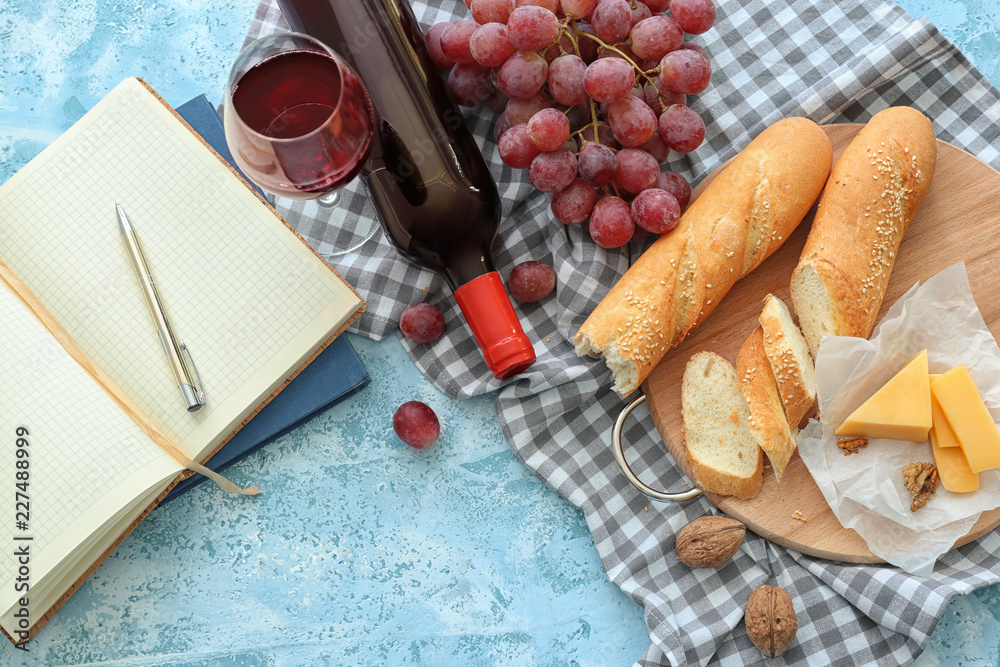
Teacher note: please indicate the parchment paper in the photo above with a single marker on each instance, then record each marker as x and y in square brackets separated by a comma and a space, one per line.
[866, 490]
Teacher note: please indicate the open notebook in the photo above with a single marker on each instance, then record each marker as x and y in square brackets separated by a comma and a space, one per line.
[253, 302]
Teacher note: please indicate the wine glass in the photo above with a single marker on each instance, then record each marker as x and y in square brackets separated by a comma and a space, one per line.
[298, 120]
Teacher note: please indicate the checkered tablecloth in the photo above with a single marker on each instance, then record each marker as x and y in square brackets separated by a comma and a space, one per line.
[829, 60]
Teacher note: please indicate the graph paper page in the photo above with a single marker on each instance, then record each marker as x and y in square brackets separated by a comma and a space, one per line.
[86, 462]
[251, 301]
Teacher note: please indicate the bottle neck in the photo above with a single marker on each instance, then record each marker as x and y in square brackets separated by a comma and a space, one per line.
[495, 325]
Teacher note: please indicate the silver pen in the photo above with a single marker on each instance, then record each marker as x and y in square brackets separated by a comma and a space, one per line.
[178, 354]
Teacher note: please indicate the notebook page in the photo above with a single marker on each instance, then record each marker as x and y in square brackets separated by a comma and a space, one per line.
[87, 460]
[44, 594]
[248, 297]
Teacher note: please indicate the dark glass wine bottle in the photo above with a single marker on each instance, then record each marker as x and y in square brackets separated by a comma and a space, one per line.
[428, 180]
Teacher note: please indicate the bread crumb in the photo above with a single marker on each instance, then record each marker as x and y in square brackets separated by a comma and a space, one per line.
[798, 515]
[646, 508]
[425, 287]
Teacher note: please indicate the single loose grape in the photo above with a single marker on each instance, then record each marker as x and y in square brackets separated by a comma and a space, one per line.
[416, 424]
[656, 211]
[598, 164]
[676, 185]
[422, 323]
[516, 148]
[548, 129]
[552, 171]
[686, 71]
[637, 170]
[532, 28]
[573, 204]
[455, 41]
[523, 74]
[531, 281]
[611, 224]
[681, 128]
[609, 79]
[489, 45]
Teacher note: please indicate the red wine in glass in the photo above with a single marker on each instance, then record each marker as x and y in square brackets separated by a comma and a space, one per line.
[298, 120]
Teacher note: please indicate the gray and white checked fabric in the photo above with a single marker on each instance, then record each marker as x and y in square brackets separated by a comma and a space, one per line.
[830, 60]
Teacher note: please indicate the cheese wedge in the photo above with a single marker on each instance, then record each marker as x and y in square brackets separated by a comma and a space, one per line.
[953, 467]
[968, 418]
[900, 410]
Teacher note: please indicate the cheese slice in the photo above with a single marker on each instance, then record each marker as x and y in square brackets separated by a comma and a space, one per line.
[953, 467]
[968, 418]
[940, 433]
[900, 410]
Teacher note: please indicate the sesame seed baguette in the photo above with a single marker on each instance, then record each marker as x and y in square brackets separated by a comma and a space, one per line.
[723, 453]
[743, 216]
[875, 190]
[767, 414]
[788, 355]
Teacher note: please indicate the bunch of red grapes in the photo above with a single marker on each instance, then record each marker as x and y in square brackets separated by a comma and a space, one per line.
[594, 98]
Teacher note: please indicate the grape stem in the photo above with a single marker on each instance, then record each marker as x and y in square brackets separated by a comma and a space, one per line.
[607, 46]
[574, 36]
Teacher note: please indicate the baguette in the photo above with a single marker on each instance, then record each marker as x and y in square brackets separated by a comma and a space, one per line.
[767, 414]
[743, 216]
[723, 453]
[875, 190]
[789, 358]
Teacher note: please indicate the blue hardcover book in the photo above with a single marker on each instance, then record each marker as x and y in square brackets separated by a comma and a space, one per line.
[335, 374]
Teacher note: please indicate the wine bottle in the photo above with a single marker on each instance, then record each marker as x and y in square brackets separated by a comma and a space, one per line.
[434, 193]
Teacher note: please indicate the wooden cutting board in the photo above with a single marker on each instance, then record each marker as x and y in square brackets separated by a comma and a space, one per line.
[957, 222]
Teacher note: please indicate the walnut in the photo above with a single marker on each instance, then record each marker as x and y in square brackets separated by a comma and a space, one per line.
[770, 620]
[852, 445]
[709, 541]
[922, 481]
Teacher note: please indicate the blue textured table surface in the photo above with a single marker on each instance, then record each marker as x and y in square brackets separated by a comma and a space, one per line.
[361, 550]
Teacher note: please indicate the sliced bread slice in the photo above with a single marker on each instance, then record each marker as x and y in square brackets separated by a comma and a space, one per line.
[723, 453]
[767, 415]
[788, 353]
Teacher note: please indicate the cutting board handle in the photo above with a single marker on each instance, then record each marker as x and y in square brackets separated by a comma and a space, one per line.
[616, 446]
